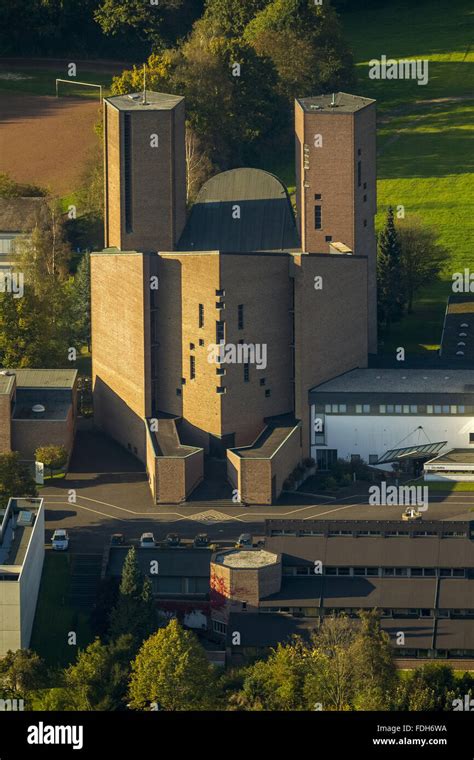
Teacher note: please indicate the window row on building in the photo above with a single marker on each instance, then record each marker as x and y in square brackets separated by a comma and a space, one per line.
[390, 612]
[387, 572]
[368, 533]
[394, 409]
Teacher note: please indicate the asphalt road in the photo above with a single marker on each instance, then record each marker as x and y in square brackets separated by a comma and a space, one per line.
[106, 491]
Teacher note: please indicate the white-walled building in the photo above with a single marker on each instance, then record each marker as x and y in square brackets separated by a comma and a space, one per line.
[388, 415]
[21, 565]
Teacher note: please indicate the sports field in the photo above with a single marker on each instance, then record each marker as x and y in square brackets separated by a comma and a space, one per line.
[46, 140]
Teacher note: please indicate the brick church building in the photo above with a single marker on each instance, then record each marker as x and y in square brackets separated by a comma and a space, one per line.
[288, 300]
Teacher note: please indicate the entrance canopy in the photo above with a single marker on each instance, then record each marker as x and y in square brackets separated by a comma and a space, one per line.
[411, 452]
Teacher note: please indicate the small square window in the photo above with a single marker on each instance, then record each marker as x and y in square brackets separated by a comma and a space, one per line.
[429, 409]
[365, 199]
[382, 409]
[201, 342]
[262, 381]
[365, 185]
[220, 389]
[373, 458]
[359, 151]
[220, 293]
[191, 346]
[220, 305]
[471, 437]
[268, 393]
[328, 238]
[220, 371]
[365, 222]
[390, 408]
[178, 391]
[317, 196]
[413, 409]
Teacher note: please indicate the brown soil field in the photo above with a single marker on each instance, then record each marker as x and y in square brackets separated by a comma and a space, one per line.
[47, 140]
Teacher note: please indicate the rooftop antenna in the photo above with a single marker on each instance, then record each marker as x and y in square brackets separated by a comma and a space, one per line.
[144, 103]
[333, 101]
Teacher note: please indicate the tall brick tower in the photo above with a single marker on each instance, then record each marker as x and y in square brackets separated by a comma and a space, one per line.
[336, 181]
[145, 171]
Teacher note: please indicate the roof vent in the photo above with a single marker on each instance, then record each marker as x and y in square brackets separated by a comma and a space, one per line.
[464, 324]
[459, 353]
[463, 335]
[333, 101]
[38, 408]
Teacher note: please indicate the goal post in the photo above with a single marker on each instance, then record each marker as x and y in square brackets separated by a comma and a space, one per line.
[83, 84]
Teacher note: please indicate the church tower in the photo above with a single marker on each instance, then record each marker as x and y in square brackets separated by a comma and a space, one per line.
[145, 171]
[336, 181]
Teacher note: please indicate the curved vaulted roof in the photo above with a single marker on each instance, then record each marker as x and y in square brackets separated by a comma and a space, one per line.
[263, 221]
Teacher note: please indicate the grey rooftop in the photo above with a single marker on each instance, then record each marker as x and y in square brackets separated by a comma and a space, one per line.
[340, 102]
[155, 101]
[400, 380]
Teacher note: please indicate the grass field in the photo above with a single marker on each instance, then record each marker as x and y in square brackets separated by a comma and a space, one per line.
[54, 617]
[425, 135]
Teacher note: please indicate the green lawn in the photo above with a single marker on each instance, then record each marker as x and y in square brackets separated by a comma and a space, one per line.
[38, 80]
[54, 617]
[425, 148]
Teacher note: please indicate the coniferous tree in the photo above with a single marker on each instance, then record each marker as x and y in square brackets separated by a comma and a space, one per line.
[390, 288]
[134, 612]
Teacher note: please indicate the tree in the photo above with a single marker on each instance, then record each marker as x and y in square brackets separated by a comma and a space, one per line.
[329, 679]
[22, 672]
[422, 257]
[52, 456]
[159, 23]
[11, 189]
[320, 60]
[82, 302]
[230, 17]
[98, 680]
[15, 478]
[275, 683]
[429, 687]
[198, 165]
[390, 286]
[134, 612]
[230, 91]
[36, 324]
[374, 672]
[171, 669]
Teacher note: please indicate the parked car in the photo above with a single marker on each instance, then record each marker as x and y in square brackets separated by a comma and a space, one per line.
[245, 539]
[172, 539]
[60, 541]
[202, 539]
[147, 541]
[117, 539]
[411, 513]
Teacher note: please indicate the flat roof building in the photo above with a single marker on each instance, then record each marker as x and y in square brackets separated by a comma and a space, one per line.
[384, 416]
[21, 563]
[37, 407]
[419, 576]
